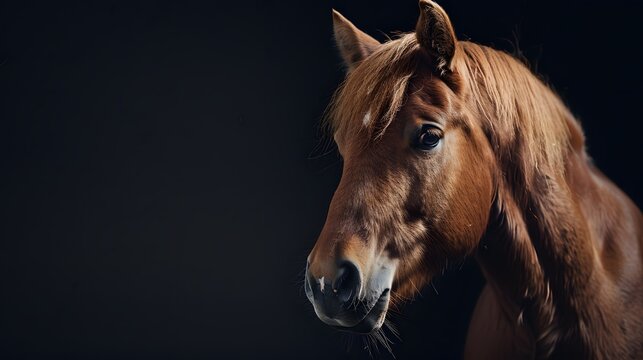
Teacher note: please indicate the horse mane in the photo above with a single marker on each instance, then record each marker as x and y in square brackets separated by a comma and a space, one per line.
[527, 124]
[530, 128]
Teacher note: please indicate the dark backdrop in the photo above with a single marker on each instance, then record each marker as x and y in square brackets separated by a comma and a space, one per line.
[164, 175]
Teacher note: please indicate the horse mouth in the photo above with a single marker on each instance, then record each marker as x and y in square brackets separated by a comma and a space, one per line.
[374, 317]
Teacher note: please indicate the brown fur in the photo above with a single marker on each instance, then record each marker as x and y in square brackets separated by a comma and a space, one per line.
[512, 185]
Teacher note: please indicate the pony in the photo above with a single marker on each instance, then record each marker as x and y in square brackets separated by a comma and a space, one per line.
[451, 150]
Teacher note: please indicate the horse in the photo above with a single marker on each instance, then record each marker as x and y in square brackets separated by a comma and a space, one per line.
[452, 150]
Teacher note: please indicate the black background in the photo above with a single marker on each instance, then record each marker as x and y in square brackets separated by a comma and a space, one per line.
[164, 175]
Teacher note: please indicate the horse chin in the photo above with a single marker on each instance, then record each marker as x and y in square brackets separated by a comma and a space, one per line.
[374, 319]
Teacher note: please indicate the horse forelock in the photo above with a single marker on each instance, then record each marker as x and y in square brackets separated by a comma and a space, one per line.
[368, 100]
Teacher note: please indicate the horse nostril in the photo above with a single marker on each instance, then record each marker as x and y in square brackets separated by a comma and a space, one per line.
[347, 282]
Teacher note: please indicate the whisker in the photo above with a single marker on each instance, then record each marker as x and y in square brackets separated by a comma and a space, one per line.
[434, 289]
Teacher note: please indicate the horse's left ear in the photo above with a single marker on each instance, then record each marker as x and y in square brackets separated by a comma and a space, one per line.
[354, 44]
[436, 36]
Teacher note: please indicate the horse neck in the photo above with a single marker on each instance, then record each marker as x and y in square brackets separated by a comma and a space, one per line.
[546, 235]
[540, 255]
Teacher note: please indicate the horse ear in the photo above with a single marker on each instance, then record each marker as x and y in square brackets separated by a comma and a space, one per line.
[354, 45]
[435, 35]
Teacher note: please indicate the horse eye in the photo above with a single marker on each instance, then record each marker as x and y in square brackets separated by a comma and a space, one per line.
[428, 138]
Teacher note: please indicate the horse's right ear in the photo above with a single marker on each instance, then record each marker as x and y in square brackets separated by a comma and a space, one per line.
[354, 45]
[436, 36]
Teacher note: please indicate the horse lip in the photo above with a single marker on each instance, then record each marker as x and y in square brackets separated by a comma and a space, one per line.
[369, 322]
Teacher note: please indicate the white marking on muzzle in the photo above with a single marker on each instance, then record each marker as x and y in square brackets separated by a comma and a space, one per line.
[381, 275]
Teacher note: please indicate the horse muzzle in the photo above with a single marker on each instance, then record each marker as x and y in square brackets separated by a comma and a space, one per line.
[349, 302]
